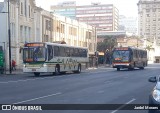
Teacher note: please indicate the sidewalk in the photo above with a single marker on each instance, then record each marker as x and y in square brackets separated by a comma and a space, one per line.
[15, 72]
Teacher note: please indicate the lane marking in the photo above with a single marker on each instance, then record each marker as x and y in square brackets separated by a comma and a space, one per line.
[24, 80]
[123, 105]
[38, 98]
[97, 72]
[45, 78]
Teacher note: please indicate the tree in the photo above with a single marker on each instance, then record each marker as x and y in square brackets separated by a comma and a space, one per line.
[149, 47]
[106, 46]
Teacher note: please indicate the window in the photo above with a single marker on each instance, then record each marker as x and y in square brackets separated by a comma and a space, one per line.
[76, 52]
[154, 10]
[29, 33]
[82, 53]
[56, 51]
[48, 25]
[21, 8]
[25, 8]
[147, 10]
[62, 51]
[67, 53]
[29, 10]
[62, 28]
[50, 52]
[71, 52]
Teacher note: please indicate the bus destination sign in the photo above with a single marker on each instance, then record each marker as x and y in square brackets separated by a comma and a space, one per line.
[34, 44]
[124, 48]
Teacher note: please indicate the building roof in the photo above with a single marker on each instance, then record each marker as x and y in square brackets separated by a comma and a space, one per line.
[111, 33]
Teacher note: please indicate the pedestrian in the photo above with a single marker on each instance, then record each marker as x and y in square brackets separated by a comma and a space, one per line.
[13, 65]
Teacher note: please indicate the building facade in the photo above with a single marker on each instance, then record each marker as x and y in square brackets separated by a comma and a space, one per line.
[67, 9]
[29, 23]
[59, 28]
[149, 20]
[22, 27]
[103, 17]
[128, 24]
[149, 24]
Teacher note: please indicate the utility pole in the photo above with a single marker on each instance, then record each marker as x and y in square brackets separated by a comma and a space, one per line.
[9, 38]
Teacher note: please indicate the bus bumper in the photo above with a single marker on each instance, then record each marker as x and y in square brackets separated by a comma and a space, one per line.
[41, 70]
[126, 65]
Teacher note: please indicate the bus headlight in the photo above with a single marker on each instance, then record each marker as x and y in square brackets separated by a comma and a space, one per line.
[44, 65]
[128, 64]
[24, 65]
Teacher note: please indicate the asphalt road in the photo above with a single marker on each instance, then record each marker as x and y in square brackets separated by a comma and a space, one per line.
[98, 86]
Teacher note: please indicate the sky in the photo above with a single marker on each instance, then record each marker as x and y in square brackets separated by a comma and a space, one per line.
[127, 8]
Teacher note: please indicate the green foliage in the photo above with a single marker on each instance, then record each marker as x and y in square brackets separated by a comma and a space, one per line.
[148, 47]
[108, 43]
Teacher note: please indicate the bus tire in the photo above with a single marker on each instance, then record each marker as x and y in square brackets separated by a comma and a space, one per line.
[141, 67]
[118, 69]
[36, 74]
[57, 70]
[130, 69]
[78, 69]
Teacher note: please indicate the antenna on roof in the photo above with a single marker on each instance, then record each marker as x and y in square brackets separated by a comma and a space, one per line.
[95, 3]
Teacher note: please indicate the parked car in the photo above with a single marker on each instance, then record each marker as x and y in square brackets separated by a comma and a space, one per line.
[154, 97]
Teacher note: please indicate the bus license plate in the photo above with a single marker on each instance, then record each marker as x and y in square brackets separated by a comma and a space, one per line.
[33, 69]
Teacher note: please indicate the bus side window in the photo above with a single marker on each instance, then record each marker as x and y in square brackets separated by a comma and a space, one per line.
[56, 51]
[67, 52]
[62, 51]
[76, 53]
[50, 52]
[84, 53]
[80, 53]
[71, 52]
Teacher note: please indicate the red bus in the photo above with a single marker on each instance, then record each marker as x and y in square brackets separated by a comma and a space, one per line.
[129, 57]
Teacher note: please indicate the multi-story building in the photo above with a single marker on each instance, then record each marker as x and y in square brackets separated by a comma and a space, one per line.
[103, 16]
[22, 27]
[30, 23]
[149, 23]
[149, 19]
[60, 28]
[128, 24]
[67, 9]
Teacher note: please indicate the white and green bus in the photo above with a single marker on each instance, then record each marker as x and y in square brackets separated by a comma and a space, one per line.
[52, 57]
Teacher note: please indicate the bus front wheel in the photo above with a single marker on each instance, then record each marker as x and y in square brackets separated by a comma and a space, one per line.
[118, 69]
[57, 70]
[36, 74]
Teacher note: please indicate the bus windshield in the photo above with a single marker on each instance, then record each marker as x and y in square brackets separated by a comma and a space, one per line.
[34, 54]
[121, 55]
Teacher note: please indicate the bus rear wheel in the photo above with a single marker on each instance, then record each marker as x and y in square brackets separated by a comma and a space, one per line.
[78, 69]
[36, 74]
[141, 68]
